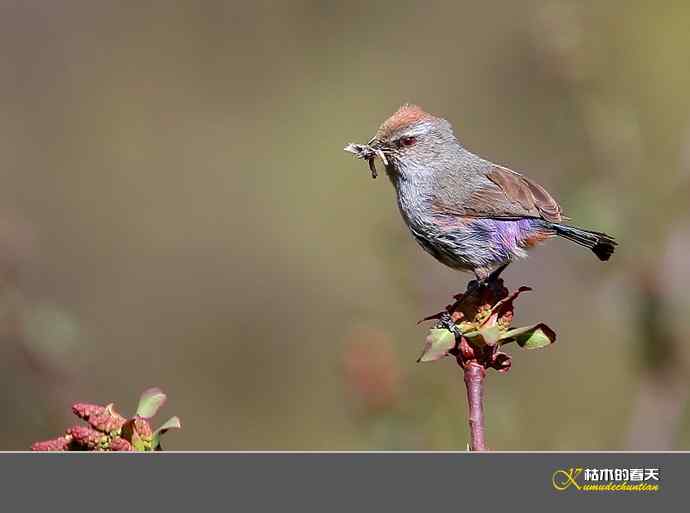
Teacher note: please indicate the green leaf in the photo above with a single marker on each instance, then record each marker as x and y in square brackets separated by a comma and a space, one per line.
[485, 336]
[171, 423]
[150, 402]
[491, 335]
[465, 326]
[138, 444]
[437, 344]
[530, 337]
[472, 335]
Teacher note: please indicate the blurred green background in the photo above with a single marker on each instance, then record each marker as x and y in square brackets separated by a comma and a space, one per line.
[176, 210]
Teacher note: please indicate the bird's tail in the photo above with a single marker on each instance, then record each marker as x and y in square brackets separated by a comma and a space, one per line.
[601, 244]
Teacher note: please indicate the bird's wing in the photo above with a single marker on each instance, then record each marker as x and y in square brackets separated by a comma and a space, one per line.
[505, 194]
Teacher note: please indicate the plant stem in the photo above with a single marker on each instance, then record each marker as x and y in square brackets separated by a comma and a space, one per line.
[474, 381]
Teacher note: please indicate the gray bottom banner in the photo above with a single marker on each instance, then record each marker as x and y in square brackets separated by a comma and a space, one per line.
[343, 481]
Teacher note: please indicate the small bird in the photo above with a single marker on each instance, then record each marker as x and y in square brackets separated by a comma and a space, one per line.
[467, 212]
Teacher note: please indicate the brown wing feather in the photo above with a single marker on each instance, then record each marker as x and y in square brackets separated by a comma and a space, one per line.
[507, 195]
[531, 196]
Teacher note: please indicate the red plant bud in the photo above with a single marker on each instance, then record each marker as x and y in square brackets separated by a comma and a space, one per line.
[466, 349]
[86, 437]
[85, 410]
[105, 419]
[120, 444]
[501, 362]
[108, 430]
[108, 420]
[57, 444]
[143, 428]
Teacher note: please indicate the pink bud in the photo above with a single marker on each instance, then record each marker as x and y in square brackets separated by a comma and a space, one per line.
[86, 436]
[57, 444]
[85, 410]
[120, 444]
[143, 428]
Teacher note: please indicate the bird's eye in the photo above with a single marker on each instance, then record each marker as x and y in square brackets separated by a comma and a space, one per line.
[407, 141]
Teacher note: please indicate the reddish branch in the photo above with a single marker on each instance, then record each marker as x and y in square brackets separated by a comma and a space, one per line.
[474, 381]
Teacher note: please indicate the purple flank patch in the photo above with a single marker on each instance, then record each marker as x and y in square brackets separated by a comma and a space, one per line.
[507, 237]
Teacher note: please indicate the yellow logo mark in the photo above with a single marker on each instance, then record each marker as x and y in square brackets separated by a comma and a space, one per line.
[564, 479]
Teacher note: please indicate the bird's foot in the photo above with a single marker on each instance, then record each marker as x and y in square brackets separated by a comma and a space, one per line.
[484, 279]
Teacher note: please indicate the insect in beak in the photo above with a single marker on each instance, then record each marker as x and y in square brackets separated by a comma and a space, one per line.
[372, 167]
[372, 144]
[368, 153]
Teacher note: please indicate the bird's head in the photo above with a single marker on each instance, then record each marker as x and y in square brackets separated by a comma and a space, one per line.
[410, 141]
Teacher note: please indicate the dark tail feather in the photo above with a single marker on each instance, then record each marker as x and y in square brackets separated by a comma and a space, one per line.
[602, 245]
